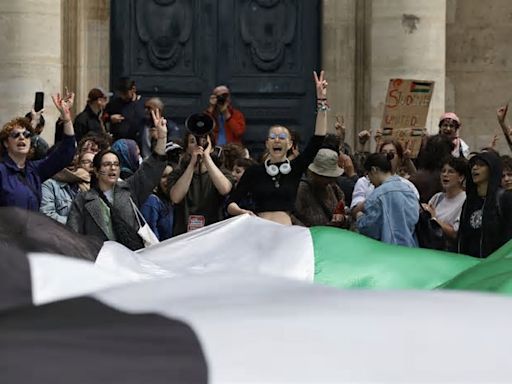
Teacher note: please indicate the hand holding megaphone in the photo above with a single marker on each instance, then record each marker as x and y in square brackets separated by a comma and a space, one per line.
[197, 153]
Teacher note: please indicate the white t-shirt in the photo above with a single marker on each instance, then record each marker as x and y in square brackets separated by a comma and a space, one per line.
[448, 209]
[364, 187]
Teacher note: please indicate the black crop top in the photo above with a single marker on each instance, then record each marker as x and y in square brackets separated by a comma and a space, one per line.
[267, 197]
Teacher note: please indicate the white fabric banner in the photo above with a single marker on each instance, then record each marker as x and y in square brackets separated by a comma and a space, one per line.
[262, 329]
[240, 244]
[259, 329]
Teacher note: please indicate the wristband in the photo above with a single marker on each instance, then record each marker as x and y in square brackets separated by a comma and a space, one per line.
[322, 105]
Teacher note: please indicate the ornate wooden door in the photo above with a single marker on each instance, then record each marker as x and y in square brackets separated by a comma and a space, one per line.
[264, 50]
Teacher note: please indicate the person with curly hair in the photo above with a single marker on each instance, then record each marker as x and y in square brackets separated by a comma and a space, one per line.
[20, 177]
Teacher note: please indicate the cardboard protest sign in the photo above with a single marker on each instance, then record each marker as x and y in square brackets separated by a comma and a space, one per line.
[406, 110]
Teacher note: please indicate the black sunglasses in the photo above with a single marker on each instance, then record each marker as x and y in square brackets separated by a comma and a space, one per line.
[15, 135]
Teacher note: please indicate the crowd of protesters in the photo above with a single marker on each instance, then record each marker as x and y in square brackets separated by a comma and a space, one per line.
[120, 167]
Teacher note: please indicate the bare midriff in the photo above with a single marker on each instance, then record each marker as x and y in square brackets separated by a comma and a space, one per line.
[280, 217]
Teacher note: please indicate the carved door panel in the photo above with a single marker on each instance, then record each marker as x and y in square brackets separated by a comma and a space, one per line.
[156, 42]
[264, 50]
[272, 48]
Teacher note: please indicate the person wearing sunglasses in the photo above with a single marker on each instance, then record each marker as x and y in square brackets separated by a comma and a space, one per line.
[20, 177]
[229, 121]
[273, 185]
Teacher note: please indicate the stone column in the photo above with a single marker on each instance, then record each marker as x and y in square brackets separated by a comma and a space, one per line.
[479, 68]
[86, 46]
[338, 59]
[408, 40]
[30, 42]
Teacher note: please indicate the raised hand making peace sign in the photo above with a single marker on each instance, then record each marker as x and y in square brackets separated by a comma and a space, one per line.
[321, 85]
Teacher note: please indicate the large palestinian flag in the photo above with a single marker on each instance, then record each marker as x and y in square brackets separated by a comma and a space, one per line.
[235, 303]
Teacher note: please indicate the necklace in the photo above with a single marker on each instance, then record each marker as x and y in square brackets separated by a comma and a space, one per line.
[275, 179]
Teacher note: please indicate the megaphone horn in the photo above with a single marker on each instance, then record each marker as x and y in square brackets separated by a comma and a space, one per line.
[199, 124]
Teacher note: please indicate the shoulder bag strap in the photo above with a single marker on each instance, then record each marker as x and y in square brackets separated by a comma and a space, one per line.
[138, 215]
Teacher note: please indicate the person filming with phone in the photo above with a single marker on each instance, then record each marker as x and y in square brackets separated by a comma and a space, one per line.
[229, 121]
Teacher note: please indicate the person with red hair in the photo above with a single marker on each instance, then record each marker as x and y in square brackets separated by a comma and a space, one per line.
[21, 177]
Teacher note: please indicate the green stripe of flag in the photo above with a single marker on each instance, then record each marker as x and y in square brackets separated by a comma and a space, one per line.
[493, 274]
[345, 259]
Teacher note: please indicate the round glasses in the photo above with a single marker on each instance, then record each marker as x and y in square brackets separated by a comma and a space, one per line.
[280, 136]
[110, 164]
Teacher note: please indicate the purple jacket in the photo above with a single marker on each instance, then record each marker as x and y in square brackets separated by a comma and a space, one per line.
[22, 187]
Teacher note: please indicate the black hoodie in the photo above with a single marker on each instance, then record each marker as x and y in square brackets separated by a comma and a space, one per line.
[481, 234]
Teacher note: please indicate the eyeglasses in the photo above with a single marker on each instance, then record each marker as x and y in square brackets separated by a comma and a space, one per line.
[15, 135]
[110, 164]
[86, 161]
[280, 136]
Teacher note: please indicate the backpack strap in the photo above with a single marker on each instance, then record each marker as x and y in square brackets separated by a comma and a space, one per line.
[438, 199]
[499, 196]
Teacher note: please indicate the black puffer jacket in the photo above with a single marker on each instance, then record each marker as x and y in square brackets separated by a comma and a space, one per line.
[496, 224]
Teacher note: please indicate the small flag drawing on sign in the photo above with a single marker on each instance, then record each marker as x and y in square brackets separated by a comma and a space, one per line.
[421, 87]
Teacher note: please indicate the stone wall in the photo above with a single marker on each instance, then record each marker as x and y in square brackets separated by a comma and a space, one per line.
[478, 66]
[30, 42]
[462, 45]
[367, 42]
[338, 59]
[408, 42]
[86, 45]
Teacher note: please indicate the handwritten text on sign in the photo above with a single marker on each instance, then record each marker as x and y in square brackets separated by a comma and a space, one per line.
[406, 110]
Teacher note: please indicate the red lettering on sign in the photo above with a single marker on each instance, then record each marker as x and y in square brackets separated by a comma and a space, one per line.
[393, 98]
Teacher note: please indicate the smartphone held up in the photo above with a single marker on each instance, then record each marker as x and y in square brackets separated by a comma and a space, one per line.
[39, 101]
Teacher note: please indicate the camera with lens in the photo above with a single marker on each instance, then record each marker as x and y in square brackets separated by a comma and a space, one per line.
[221, 99]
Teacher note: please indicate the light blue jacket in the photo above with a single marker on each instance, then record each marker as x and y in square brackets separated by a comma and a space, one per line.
[391, 212]
[57, 198]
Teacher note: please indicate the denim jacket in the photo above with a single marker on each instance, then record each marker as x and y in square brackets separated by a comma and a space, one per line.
[57, 198]
[391, 212]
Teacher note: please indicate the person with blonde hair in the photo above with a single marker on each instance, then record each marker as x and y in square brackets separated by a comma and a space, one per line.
[273, 184]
